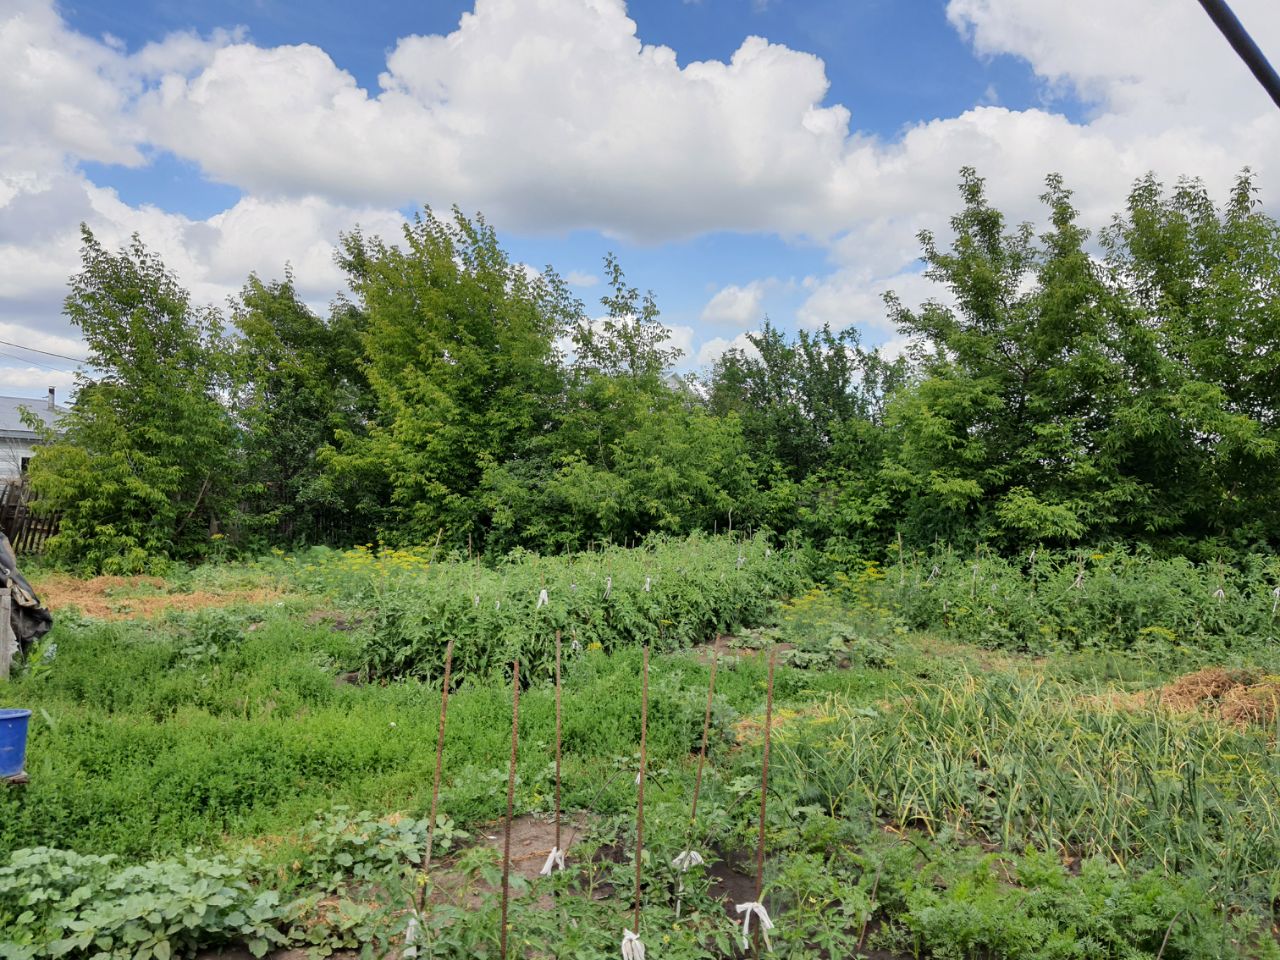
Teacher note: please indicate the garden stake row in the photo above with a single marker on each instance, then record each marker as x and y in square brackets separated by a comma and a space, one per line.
[688, 857]
[511, 796]
[632, 947]
[756, 907]
[556, 857]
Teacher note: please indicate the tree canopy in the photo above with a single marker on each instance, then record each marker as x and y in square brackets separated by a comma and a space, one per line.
[1061, 388]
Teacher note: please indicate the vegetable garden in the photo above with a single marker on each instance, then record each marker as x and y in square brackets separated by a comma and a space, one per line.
[968, 757]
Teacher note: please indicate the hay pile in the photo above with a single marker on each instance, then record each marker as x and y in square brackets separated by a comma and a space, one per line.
[1240, 697]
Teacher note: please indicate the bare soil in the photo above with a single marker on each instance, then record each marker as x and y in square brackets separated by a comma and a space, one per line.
[131, 598]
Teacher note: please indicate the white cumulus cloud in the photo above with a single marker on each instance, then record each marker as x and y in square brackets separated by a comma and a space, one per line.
[553, 115]
[737, 306]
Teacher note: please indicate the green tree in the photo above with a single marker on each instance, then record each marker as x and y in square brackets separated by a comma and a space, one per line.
[459, 348]
[796, 396]
[632, 449]
[1200, 436]
[629, 341]
[1021, 378]
[812, 411]
[1064, 398]
[298, 386]
[144, 465]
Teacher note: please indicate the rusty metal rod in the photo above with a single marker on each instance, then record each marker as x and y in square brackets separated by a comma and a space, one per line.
[558, 724]
[435, 786]
[706, 729]
[644, 730]
[511, 795]
[764, 772]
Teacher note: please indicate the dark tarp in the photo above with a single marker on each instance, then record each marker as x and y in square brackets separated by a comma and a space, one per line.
[30, 620]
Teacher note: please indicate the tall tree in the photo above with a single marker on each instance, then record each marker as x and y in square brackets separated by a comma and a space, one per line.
[460, 353]
[299, 385]
[1201, 435]
[144, 465]
[795, 396]
[1001, 437]
[631, 449]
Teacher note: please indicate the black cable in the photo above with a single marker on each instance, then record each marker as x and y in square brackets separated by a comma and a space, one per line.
[47, 353]
[34, 363]
[1243, 44]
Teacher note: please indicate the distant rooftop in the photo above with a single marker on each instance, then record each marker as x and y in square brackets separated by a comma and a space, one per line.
[11, 424]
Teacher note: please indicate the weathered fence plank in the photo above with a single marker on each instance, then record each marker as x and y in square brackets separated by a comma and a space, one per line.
[26, 529]
[8, 645]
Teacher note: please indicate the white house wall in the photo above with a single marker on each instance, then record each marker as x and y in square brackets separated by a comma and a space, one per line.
[12, 453]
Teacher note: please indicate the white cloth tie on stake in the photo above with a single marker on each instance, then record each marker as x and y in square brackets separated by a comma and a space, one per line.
[542, 599]
[747, 909]
[683, 861]
[646, 584]
[686, 859]
[608, 587]
[411, 937]
[555, 859]
[476, 602]
[632, 948]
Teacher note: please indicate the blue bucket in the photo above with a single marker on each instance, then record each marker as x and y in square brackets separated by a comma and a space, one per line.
[13, 741]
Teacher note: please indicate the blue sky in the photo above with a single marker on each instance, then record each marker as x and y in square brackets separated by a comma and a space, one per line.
[892, 63]
[735, 178]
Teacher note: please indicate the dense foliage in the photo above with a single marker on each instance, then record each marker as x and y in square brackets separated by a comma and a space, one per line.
[670, 594]
[1060, 390]
[1073, 600]
[143, 467]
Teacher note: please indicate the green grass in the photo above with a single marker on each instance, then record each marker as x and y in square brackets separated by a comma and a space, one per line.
[953, 797]
[149, 738]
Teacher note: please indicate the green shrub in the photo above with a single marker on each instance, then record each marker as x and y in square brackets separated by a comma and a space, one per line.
[1112, 599]
[668, 595]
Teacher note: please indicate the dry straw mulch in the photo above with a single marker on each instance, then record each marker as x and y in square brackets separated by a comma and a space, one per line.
[1240, 697]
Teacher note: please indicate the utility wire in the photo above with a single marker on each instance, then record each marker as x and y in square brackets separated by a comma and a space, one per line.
[1231, 27]
[47, 353]
[34, 363]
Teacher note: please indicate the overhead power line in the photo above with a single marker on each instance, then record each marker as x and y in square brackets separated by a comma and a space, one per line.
[34, 363]
[1243, 44]
[47, 353]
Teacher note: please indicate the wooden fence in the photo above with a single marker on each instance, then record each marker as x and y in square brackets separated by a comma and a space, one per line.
[26, 530]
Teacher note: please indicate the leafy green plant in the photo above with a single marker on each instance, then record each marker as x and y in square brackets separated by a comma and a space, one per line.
[670, 594]
[1103, 599]
[342, 846]
[56, 903]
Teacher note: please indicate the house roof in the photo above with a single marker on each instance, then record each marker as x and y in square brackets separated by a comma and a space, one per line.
[11, 424]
